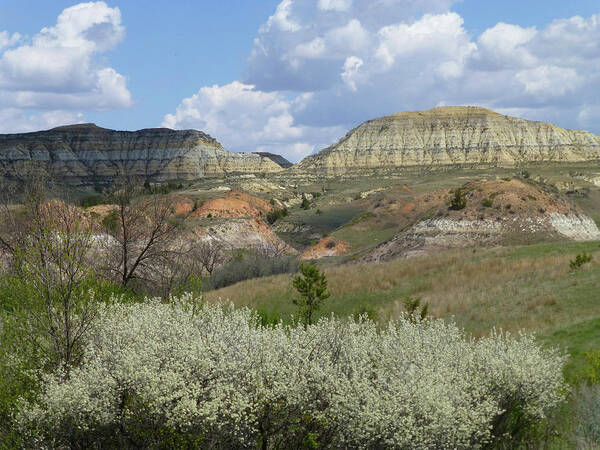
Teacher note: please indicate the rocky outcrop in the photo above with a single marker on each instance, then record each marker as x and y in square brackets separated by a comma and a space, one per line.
[452, 135]
[496, 213]
[277, 159]
[86, 154]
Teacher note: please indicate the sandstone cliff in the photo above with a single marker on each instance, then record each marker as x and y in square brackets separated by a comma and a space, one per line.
[83, 154]
[452, 135]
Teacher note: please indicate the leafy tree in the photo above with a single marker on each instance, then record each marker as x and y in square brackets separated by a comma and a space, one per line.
[312, 287]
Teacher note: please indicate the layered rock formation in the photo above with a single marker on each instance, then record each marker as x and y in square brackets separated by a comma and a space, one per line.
[452, 135]
[496, 213]
[278, 159]
[84, 154]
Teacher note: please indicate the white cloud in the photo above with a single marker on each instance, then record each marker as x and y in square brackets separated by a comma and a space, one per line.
[14, 120]
[61, 67]
[334, 5]
[245, 119]
[504, 45]
[8, 40]
[549, 81]
[281, 19]
[434, 41]
[321, 67]
[350, 74]
[303, 46]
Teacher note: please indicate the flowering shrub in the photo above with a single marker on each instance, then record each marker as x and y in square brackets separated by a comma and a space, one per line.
[168, 375]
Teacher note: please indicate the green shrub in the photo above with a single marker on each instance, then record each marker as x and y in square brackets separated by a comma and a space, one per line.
[591, 368]
[111, 221]
[93, 200]
[415, 312]
[305, 202]
[458, 200]
[267, 318]
[365, 311]
[158, 375]
[277, 214]
[487, 203]
[580, 260]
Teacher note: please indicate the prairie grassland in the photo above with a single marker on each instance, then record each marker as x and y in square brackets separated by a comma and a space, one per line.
[528, 287]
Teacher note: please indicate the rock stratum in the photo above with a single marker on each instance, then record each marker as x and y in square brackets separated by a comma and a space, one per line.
[452, 135]
[497, 212]
[86, 153]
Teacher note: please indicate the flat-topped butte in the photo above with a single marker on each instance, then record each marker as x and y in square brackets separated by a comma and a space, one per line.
[452, 135]
[86, 153]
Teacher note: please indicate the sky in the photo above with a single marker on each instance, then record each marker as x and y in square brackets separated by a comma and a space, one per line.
[293, 76]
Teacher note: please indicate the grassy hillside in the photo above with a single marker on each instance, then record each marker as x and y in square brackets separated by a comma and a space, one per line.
[526, 287]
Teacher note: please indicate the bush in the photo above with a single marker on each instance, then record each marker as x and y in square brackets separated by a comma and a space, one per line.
[246, 266]
[305, 203]
[93, 200]
[459, 200]
[365, 311]
[158, 375]
[487, 203]
[414, 311]
[580, 260]
[277, 214]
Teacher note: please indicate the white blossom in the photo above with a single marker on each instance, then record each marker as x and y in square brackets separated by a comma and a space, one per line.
[213, 376]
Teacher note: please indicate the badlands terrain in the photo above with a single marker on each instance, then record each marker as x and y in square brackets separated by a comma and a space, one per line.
[476, 214]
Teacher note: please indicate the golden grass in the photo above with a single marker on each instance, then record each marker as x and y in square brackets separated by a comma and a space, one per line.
[480, 290]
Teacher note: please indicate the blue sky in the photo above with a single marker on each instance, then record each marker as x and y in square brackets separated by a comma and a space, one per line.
[293, 76]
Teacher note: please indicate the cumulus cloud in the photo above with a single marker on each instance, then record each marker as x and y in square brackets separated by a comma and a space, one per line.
[61, 68]
[13, 120]
[331, 64]
[246, 119]
[8, 40]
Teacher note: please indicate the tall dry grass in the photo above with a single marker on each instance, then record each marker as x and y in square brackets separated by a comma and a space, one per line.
[480, 290]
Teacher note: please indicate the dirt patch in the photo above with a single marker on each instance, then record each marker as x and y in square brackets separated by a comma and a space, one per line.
[237, 204]
[325, 247]
[408, 208]
[183, 206]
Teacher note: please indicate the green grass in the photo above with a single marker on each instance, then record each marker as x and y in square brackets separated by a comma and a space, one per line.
[575, 340]
[529, 287]
[366, 238]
